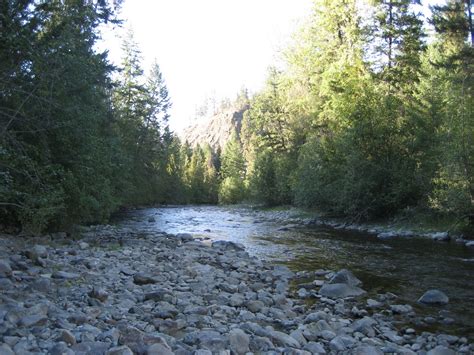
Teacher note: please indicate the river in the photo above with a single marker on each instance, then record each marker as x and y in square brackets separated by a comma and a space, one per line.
[404, 266]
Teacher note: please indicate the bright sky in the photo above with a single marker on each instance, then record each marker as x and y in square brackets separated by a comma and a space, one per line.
[208, 47]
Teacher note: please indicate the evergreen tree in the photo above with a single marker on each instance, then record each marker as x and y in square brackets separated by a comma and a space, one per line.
[57, 151]
[232, 188]
[398, 36]
[452, 102]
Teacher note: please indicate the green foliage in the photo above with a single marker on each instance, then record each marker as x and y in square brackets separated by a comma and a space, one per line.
[232, 188]
[365, 121]
[66, 155]
[272, 179]
[54, 114]
[383, 124]
[448, 97]
[264, 182]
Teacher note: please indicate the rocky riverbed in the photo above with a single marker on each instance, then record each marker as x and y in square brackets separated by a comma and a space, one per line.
[119, 291]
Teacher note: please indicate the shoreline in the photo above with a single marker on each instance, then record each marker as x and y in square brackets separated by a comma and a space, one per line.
[120, 291]
[383, 230]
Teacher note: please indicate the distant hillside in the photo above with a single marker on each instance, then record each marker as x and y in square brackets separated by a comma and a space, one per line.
[215, 129]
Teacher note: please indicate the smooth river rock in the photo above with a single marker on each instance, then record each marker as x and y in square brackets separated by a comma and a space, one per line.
[434, 297]
[340, 291]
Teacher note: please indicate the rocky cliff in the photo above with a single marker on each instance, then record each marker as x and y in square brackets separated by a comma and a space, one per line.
[215, 129]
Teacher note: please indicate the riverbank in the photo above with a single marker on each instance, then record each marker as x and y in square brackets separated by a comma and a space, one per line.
[397, 227]
[118, 290]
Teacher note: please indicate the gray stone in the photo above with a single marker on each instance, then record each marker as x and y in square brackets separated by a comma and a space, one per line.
[298, 335]
[185, 237]
[5, 268]
[283, 339]
[237, 300]
[373, 303]
[5, 284]
[157, 295]
[33, 320]
[440, 237]
[159, 349]
[315, 316]
[144, 279]
[435, 297]
[328, 334]
[112, 336]
[393, 336]
[67, 337]
[65, 275]
[207, 339]
[43, 284]
[226, 245]
[6, 350]
[77, 318]
[401, 308]
[260, 344]
[83, 245]
[239, 341]
[90, 347]
[165, 310]
[340, 290]
[282, 271]
[315, 348]
[202, 352]
[37, 251]
[387, 235]
[364, 326]
[441, 350]
[313, 331]
[342, 342]
[119, 350]
[344, 276]
[60, 349]
[255, 306]
[99, 294]
[367, 350]
[137, 340]
[303, 293]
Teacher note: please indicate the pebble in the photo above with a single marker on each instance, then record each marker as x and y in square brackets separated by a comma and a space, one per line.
[239, 341]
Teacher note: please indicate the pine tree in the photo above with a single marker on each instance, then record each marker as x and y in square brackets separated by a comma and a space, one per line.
[57, 156]
[158, 99]
[232, 188]
[398, 36]
[452, 66]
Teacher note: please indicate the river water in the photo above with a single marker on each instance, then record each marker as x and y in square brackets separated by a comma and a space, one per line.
[405, 266]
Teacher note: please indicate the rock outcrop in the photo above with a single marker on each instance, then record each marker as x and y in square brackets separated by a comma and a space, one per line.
[216, 129]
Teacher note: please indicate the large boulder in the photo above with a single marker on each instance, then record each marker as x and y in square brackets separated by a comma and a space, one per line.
[342, 284]
[344, 276]
[434, 297]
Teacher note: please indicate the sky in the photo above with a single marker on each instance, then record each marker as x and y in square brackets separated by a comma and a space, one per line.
[208, 48]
